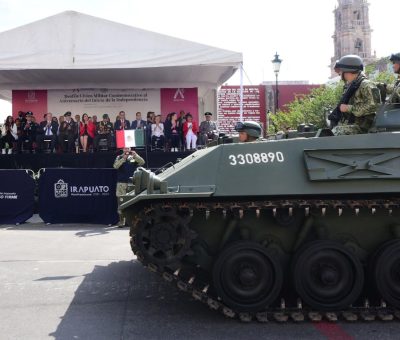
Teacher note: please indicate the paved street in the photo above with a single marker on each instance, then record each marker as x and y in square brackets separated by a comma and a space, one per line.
[81, 282]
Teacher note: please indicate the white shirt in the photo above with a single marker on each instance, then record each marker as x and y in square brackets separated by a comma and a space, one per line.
[157, 130]
[47, 129]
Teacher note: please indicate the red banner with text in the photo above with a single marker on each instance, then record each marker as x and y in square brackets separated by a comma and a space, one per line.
[254, 106]
[29, 100]
[175, 100]
[110, 101]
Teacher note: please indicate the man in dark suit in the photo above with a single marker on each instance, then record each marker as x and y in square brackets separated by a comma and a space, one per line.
[47, 131]
[67, 132]
[150, 121]
[28, 133]
[138, 123]
[104, 130]
[122, 123]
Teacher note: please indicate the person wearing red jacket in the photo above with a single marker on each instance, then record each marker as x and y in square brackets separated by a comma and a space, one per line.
[190, 130]
[86, 131]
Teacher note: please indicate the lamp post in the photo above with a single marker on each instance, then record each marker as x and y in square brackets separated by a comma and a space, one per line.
[276, 63]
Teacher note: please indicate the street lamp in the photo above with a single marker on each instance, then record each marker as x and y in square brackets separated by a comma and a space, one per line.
[276, 63]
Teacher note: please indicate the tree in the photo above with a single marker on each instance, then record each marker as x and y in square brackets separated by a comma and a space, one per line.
[308, 109]
[379, 71]
[312, 108]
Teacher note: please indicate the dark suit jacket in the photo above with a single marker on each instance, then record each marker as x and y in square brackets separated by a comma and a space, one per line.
[143, 123]
[42, 128]
[29, 129]
[118, 125]
[68, 128]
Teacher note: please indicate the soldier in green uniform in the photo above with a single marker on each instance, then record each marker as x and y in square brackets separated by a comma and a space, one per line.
[248, 131]
[126, 164]
[358, 112]
[394, 89]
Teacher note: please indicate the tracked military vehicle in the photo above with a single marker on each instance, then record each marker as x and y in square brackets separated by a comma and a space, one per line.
[304, 228]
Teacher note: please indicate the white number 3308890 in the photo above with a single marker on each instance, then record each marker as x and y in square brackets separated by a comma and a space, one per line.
[256, 158]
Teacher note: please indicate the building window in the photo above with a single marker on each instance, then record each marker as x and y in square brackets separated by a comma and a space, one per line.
[359, 44]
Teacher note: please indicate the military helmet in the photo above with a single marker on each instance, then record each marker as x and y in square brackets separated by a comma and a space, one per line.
[336, 65]
[395, 58]
[350, 63]
[251, 128]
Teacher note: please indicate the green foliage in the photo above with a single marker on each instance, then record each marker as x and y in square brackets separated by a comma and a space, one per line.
[312, 108]
[378, 71]
[309, 108]
[385, 77]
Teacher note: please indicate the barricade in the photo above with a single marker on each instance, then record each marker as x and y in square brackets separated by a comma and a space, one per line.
[17, 201]
[78, 196]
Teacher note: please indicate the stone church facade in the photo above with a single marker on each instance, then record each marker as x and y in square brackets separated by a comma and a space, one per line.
[352, 31]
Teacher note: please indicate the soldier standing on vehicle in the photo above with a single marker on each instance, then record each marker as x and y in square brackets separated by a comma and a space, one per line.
[394, 89]
[126, 164]
[359, 102]
[248, 131]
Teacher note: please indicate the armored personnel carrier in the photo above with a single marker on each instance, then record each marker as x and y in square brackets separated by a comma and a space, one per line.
[303, 228]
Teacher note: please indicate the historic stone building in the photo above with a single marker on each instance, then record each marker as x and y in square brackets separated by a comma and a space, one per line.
[352, 31]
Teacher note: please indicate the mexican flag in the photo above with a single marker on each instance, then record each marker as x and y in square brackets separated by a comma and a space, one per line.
[129, 138]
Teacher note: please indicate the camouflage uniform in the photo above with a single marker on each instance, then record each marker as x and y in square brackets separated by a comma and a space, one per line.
[362, 106]
[125, 169]
[122, 184]
[394, 91]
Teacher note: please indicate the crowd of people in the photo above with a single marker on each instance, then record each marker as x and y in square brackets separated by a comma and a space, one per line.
[354, 114]
[85, 133]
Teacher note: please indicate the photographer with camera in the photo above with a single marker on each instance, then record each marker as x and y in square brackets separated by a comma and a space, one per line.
[126, 164]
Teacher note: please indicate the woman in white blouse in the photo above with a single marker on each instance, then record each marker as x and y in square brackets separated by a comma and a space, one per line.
[157, 133]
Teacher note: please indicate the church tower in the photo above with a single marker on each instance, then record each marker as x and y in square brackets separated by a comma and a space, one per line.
[352, 31]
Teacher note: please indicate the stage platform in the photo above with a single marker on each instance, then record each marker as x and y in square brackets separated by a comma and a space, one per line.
[154, 160]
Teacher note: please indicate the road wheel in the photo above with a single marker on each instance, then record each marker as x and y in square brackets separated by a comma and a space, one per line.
[327, 276]
[247, 277]
[387, 272]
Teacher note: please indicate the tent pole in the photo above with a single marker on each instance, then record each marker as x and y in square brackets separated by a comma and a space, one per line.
[241, 92]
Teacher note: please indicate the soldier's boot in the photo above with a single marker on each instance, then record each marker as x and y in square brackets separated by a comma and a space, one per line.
[122, 222]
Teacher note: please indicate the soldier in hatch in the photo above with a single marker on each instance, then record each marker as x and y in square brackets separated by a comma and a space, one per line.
[394, 89]
[248, 131]
[362, 98]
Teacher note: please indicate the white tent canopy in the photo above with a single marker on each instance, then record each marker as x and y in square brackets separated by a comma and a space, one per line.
[75, 50]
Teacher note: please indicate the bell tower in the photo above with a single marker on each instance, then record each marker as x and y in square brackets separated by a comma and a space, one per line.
[352, 31]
